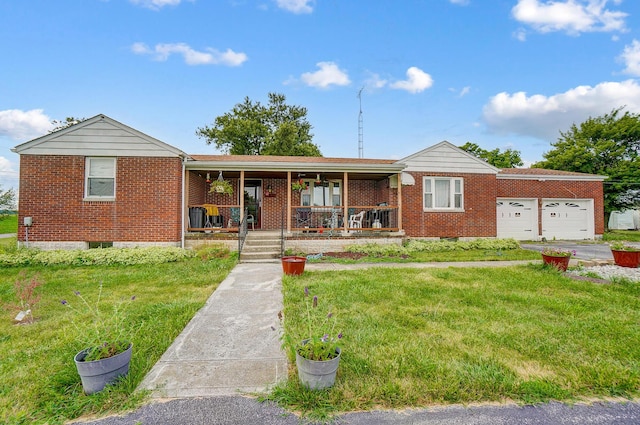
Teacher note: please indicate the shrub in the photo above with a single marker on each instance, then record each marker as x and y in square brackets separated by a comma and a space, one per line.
[107, 256]
[418, 245]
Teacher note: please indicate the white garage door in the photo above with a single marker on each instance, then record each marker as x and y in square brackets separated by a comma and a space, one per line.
[517, 219]
[567, 219]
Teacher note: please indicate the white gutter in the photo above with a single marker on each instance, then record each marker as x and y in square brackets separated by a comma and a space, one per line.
[543, 177]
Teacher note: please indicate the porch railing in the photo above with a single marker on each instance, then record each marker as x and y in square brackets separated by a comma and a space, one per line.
[373, 218]
[222, 218]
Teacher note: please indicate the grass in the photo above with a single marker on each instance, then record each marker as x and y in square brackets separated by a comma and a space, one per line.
[622, 235]
[7, 243]
[8, 224]
[442, 336]
[38, 380]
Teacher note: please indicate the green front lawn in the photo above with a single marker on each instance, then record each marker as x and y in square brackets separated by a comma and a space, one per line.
[622, 235]
[38, 379]
[8, 224]
[444, 336]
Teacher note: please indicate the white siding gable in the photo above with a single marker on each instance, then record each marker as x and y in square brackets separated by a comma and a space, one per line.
[446, 158]
[98, 136]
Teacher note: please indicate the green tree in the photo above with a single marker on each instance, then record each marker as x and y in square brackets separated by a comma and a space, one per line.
[255, 129]
[508, 159]
[607, 145]
[68, 122]
[7, 200]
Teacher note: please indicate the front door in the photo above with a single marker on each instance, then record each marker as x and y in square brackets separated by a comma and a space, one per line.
[253, 202]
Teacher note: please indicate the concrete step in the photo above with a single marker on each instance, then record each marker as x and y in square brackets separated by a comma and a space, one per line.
[245, 256]
[263, 235]
[262, 248]
[262, 242]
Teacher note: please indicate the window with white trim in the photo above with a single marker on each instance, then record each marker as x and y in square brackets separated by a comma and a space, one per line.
[100, 178]
[442, 193]
[323, 194]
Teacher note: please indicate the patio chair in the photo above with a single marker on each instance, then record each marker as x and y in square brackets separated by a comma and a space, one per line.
[251, 220]
[355, 220]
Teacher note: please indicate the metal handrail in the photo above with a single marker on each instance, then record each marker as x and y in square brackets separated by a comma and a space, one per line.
[282, 233]
[242, 231]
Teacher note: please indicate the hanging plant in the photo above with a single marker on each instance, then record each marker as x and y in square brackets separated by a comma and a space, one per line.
[299, 185]
[221, 186]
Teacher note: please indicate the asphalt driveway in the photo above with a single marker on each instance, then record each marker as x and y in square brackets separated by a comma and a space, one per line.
[585, 250]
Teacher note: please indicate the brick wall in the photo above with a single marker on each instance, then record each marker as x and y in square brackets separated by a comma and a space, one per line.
[561, 189]
[147, 206]
[477, 220]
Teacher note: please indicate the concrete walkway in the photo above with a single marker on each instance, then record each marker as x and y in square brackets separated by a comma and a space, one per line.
[229, 346]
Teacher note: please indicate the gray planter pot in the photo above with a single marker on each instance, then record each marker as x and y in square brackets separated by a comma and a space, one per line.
[317, 375]
[95, 375]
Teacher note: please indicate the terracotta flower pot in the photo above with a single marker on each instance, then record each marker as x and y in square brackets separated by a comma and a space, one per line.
[559, 262]
[293, 265]
[624, 258]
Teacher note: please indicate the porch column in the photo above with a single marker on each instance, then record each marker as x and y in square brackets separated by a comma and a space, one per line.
[185, 199]
[399, 201]
[241, 190]
[345, 212]
[288, 212]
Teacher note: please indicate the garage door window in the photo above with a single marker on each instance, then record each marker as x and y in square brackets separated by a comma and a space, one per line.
[443, 193]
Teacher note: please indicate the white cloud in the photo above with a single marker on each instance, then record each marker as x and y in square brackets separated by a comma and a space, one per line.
[375, 82]
[6, 168]
[520, 34]
[572, 16]
[328, 75]
[296, 6]
[156, 4]
[191, 57]
[24, 125]
[545, 116]
[459, 2]
[416, 82]
[631, 57]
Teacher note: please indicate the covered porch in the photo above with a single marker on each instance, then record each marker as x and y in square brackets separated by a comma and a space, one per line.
[301, 196]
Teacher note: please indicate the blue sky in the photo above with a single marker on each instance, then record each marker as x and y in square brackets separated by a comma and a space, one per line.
[500, 73]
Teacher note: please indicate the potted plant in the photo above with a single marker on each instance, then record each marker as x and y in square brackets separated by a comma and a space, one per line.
[221, 186]
[108, 349]
[556, 257]
[293, 264]
[299, 185]
[318, 353]
[625, 255]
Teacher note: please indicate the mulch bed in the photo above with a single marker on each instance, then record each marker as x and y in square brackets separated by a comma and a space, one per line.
[347, 255]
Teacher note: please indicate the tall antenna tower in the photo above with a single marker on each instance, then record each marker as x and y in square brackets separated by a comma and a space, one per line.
[360, 134]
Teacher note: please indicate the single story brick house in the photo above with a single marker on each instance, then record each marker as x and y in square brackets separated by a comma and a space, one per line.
[102, 183]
